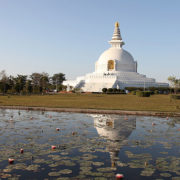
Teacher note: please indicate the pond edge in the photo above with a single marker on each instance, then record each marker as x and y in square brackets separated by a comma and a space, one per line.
[95, 111]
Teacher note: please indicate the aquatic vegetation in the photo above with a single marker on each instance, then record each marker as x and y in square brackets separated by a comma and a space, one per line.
[87, 146]
[98, 163]
[165, 175]
[65, 171]
[33, 167]
[54, 174]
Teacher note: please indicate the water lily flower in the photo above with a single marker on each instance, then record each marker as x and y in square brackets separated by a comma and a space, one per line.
[11, 161]
[53, 147]
[21, 151]
[119, 176]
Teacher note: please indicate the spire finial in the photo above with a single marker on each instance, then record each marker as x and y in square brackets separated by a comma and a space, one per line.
[117, 39]
[116, 35]
[117, 24]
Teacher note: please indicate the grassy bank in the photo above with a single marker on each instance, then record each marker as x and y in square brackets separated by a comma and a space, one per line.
[95, 101]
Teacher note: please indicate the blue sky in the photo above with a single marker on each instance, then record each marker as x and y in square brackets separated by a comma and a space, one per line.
[69, 35]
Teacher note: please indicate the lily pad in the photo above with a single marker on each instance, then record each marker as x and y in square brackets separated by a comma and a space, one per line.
[54, 174]
[33, 167]
[165, 174]
[65, 171]
[98, 163]
[147, 172]
[107, 169]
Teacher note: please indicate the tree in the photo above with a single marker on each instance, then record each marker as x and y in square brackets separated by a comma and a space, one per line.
[40, 81]
[57, 80]
[3, 81]
[44, 81]
[28, 86]
[20, 82]
[36, 79]
[175, 83]
[36, 83]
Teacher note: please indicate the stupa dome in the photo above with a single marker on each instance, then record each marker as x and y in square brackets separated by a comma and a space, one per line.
[123, 60]
[116, 56]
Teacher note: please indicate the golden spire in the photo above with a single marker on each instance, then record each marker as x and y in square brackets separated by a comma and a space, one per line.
[117, 39]
[117, 24]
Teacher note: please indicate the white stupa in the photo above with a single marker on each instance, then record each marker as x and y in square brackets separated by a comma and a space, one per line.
[115, 68]
[115, 130]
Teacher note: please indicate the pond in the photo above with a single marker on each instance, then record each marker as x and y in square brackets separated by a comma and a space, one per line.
[88, 146]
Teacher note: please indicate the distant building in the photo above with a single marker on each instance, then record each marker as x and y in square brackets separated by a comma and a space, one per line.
[115, 68]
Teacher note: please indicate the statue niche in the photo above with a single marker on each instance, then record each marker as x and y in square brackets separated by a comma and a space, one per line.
[111, 65]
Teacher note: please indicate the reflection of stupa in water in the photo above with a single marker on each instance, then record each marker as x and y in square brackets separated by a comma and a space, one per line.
[116, 130]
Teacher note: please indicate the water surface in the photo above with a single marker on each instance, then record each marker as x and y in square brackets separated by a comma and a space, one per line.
[88, 146]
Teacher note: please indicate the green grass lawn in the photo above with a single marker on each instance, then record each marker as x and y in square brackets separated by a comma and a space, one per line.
[95, 101]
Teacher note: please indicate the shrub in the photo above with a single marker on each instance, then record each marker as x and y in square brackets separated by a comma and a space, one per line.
[174, 96]
[151, 92]
[143, 93]
[115, 90]
[110, 90]
[133, 92]
[104, 90]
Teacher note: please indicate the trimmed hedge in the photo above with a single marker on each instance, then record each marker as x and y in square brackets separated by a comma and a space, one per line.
[104, 90]
[113, 91]
[160, 90]
[143, 93]
[133, 92]
[110, 90]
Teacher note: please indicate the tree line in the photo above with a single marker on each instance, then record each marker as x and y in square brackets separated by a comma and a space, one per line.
[35, 83]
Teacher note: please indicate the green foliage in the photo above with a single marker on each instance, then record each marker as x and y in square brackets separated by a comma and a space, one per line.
[113, 91]
[110, 90]
[57, 79]
[133, 92]
[160, 90]
[77, 90]
[143, 93]
[28, 87]
[175, 83]
[36, 83]
[104, 90]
